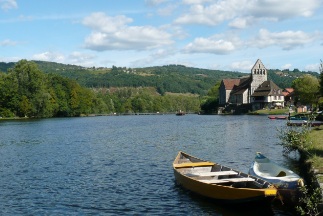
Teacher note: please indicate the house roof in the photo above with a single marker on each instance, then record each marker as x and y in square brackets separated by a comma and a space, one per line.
[288, 91]
[230, 83]
[267, 88]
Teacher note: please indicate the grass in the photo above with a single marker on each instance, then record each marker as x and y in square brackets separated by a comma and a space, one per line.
[272, 111]
[316, 151]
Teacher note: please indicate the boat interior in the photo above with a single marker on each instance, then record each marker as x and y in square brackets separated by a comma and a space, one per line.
[269, 170]
[217, 174]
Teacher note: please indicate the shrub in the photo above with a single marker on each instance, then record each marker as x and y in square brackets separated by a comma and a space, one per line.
[309, 200]
[295, 139]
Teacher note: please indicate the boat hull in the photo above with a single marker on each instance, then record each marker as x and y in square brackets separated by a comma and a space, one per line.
[286, 181]
[223, 193]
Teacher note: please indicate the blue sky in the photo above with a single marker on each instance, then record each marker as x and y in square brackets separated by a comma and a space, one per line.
[213, 34]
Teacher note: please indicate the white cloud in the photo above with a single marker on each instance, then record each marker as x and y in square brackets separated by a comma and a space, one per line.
[208, 15]
[153, 57]
[280, 10]
[222, 44]
[195, 1]
[8, 4]
[167, 10]
[10, 59]
[286, 66]
[49, 56]
[155, 2]
[241, 13]
[241, 22]
[287, 39]
[312, 67]
[207, 45]
[7, 42]
[80, 58]
[242, 65]
[114, 33]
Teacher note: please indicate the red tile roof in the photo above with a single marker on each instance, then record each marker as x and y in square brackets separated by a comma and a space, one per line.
[288, 91]
[230, 83]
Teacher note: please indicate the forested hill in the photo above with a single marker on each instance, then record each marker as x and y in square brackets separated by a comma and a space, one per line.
[170, 78]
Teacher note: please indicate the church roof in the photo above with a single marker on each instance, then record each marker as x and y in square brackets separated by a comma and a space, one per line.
[243, 85]
[230, 83]
[267, 88]
[258, 65]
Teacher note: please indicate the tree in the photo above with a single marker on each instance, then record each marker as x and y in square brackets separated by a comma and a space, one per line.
[9, 101]
[307, 89]
[321, 78]
[31, 89]
[211, 101]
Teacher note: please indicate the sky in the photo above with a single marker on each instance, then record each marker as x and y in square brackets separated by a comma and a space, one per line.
[211, 34]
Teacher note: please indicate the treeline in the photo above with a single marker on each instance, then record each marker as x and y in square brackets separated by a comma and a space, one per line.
[168, 78]
[26, 91]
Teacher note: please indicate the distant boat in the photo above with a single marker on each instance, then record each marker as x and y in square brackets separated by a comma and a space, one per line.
[285, 180]
[298, 117]
[278, 117]
[219, 182]
[301, 123]
[180, 113]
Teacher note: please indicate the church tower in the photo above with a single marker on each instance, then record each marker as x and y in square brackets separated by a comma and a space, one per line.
[258, 74]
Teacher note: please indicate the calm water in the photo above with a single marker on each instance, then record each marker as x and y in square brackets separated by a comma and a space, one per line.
[122, 165]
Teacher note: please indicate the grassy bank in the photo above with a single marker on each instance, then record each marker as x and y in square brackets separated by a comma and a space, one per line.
[271, 112]
[316, 151]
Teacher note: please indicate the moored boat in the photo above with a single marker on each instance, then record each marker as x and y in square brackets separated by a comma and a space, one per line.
[180, 113]
[285, 180]
[298, 117]
[278, 117]
[219, 182]
[305, 123]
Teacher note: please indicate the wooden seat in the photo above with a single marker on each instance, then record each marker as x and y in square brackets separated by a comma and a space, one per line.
[196, 164]
[218, 173]
[217, 181]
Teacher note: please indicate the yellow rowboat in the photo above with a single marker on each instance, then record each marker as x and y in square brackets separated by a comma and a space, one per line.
[219, 182]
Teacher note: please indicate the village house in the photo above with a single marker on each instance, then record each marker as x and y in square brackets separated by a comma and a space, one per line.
[254, 90]
[289, 95]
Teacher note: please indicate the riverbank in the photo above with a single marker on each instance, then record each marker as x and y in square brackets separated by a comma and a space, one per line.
[315, 159]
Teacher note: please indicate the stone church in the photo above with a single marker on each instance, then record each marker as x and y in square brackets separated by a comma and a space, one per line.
[254, 90]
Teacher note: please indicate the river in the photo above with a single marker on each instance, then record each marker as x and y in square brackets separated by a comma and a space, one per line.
[122, 165]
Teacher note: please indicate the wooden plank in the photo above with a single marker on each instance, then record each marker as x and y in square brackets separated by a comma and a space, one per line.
[240, 179]
[216, 181]
[218, 173]
[196, 164]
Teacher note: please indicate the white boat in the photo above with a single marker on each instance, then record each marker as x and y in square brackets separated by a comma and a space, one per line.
[277, 175]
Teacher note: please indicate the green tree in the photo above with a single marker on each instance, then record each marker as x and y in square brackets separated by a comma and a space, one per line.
[321, 78]
[9, 101]
[307, 89]
[25, 106]
[211, 101]
[31, 96]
